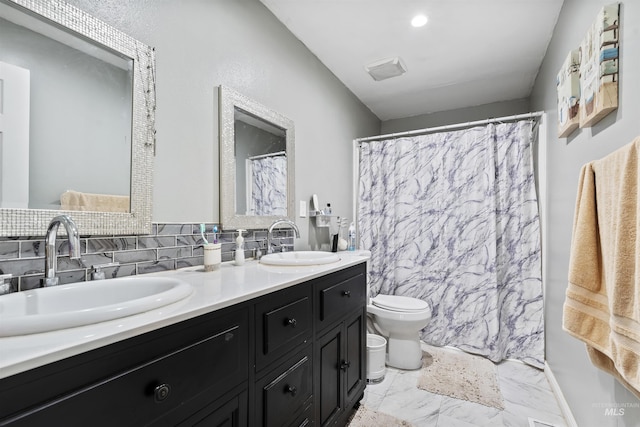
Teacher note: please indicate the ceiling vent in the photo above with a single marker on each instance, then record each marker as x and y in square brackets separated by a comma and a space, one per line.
[386, 68]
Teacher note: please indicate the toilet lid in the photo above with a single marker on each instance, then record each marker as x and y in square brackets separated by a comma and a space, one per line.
[399, 303]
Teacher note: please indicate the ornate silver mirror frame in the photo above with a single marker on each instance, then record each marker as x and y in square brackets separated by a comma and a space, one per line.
[229, 102]
[34, 222]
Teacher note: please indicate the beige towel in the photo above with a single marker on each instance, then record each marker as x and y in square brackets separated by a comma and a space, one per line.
[602, 306]
[584, 264]
[76, 201]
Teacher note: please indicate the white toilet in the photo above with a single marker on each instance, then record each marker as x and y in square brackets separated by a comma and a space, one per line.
[400, 319]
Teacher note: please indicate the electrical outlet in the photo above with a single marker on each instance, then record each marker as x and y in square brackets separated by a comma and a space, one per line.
[303, 209]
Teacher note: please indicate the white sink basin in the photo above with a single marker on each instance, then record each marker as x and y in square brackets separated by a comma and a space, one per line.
[300, 258]
[84, 303]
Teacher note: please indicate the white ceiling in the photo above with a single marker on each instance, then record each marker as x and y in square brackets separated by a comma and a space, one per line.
[471, 52]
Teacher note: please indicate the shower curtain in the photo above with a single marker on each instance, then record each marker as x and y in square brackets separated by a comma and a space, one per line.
[268, 185]
[452, 219]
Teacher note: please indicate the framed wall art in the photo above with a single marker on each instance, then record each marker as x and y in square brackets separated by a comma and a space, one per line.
[599, 57]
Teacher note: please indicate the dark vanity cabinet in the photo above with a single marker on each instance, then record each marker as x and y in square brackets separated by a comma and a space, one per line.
[284, 375]
[310, 351]
[294, 357]
[340, 345]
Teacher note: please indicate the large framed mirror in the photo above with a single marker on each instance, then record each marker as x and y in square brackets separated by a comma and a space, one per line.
[257, 168]
[77, 122]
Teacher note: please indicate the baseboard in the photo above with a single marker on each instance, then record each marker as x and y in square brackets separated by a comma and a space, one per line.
[557, 391]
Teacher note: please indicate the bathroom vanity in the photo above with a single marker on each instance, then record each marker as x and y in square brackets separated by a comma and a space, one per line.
[252, 346]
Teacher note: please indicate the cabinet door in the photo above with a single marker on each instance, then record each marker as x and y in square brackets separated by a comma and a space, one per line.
[355, 375]
[328, 364]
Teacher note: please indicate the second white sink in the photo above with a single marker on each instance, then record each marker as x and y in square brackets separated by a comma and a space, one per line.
[300, 258]
[83, 303]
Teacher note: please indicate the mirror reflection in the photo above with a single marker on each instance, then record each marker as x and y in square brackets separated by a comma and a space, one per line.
[257, 163]
[67, 109]
[261, 166]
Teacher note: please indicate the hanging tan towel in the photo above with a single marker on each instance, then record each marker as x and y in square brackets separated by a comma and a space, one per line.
[584, 264]
[602, 305]
[76, 201]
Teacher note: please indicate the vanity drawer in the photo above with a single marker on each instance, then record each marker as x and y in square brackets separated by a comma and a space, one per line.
[152, 390]
[283, 323]
[305, 419]
[340, 294]
[283, 396]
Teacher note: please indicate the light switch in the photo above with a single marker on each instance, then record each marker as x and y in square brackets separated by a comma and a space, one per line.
[303, 209]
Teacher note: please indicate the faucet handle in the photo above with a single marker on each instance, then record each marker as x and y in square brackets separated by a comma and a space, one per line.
[5, 283]
[98, 274]
[286, 247]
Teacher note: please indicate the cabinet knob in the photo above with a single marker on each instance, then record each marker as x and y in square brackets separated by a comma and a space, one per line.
[345, 365]
[161, 392]
[346, 294]
[291, 389]
[293, 322]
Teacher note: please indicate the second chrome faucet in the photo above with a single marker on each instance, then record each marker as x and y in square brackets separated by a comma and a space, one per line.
[274, 225]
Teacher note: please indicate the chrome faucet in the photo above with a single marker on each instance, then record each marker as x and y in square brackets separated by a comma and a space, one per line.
[50, 259]
[278, 222]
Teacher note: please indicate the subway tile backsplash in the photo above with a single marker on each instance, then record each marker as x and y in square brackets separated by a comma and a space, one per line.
[168, 247]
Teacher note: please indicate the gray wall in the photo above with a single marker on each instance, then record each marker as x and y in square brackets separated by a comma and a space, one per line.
[201, 44]
[588, 390]
[461, 115]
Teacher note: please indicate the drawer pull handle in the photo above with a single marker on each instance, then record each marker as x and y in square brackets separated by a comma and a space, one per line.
[292, 322]
[291, 389]
[161, 392]
[345, 365]
[346, 294]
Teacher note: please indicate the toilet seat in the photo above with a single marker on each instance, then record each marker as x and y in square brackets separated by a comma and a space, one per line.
[399, 303]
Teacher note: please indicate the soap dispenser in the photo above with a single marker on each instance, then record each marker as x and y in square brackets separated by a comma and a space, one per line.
[239, 248]
[352, 237]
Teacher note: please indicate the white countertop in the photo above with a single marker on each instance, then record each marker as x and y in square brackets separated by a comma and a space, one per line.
[211, 291]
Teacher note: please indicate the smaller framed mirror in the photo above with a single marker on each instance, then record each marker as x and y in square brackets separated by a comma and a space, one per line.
[257, 165]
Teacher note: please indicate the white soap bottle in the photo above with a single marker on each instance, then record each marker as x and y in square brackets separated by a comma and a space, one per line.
[239, 248]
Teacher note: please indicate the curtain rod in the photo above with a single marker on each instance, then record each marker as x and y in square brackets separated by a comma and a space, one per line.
[455, 126]
[262, 156]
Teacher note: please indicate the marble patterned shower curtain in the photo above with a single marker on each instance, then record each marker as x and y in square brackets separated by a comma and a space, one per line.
[452, 219]
[268, 181]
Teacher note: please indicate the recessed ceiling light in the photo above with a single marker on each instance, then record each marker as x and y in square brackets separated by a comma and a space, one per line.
[419, 21]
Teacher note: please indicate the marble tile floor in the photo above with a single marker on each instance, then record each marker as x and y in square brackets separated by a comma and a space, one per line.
[525, 390]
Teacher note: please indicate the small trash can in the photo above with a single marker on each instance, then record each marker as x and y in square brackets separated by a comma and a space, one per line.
[376, 355]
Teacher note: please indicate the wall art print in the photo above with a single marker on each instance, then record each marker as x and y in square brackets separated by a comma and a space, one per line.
[599, 57]
[587, 82]
[568, 88]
